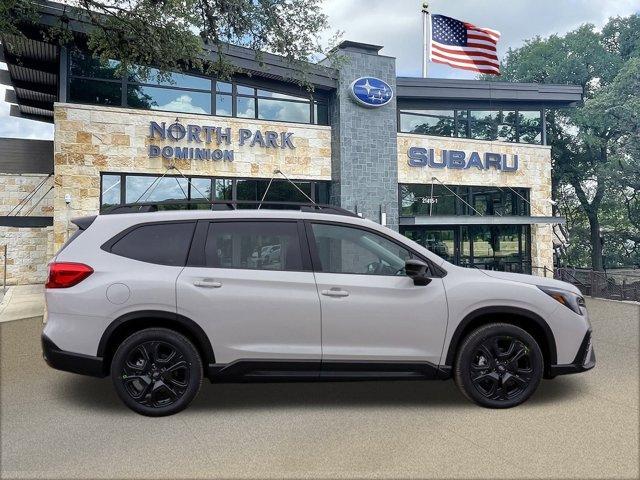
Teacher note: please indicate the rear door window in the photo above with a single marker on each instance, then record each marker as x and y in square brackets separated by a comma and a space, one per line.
[160, 243]
[253, 245]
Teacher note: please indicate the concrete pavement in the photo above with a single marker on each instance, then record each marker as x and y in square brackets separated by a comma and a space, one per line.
[22, 301]
[59, 425]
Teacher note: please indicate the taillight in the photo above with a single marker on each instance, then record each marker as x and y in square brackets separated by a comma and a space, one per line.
[67, 274]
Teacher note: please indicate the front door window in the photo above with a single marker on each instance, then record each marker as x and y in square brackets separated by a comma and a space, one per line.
[352, 250]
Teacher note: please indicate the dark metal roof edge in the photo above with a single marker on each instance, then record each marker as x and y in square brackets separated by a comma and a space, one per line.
[14, 111]
[480, 220]
[443, 88]
[26, 222]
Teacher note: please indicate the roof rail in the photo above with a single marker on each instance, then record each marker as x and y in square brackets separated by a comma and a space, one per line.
[143, 207]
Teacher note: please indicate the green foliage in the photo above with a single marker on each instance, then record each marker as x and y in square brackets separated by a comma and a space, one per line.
[172, 35]
[596, 146]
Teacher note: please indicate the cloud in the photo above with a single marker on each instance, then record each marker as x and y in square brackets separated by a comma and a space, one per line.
[183, 103]
[397, 25]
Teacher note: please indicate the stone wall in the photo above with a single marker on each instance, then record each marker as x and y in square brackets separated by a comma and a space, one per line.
[14, 188]
[92, 139]
[28, 253]
[28, 249]
[364, 142]
[534, 173]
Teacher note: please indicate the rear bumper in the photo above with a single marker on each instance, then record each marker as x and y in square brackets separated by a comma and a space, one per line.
[71, 362]
[585, 359]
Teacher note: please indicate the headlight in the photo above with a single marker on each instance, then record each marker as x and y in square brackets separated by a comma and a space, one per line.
[571, 300]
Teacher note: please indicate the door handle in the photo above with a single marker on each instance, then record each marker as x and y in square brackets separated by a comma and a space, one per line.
[207, 283]
[335, 292]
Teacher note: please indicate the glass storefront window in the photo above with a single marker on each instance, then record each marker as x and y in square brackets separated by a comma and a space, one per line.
[223, 189]
[246, 107]
[494, 247]
[95, 92]
[530, 127]
[92, 81]
[428, 122]
[483, 125]
[321, 113]
[157, 98]
[322, 192]
[503, 125]
[279, 191]
[201, 189]
[224, 87]
[180, 80]
[462, 122]
[267, 93]
[417, 199]
[110, 191]
[506, 121]
[153, 189]
[283, 110]
[83, 64]
[242, 90]
[150, 188]
[223, 105]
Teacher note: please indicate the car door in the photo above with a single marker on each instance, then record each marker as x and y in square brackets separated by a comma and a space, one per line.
[370, 309]
[252, 306]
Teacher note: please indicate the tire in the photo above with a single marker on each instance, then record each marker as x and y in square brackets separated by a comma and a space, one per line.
[156, 372]
[498, 366]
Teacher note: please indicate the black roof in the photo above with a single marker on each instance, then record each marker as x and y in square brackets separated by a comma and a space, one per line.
[469, 92]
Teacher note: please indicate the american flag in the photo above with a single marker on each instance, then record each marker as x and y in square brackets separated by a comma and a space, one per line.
[463, 45]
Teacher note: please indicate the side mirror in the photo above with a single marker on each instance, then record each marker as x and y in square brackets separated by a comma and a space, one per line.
[417, 270]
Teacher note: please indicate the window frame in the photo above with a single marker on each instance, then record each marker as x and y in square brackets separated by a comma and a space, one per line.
[461, 209]
[197, 254]
[434, 270]
[108, 245]
[462, 129]
[123, 187]
[125, 82]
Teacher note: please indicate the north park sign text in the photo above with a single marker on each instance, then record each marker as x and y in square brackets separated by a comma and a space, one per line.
[207, 134]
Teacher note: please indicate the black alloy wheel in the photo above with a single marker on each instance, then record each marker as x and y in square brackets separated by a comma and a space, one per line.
[156, 372]
[499, 366]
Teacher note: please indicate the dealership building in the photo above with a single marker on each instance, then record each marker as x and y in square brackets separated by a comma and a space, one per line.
[460, 166]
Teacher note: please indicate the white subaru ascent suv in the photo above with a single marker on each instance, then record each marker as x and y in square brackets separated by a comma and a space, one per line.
[160, 299]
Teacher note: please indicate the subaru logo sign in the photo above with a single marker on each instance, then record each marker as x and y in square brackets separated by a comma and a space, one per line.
[371, 92]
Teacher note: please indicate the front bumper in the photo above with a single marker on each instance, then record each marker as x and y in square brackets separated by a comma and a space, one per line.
[585, 359]
[71, 362]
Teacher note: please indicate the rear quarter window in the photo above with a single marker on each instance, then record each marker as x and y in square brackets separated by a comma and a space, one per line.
[160, 243]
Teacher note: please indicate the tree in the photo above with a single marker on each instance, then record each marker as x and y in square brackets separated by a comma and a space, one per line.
[592, 145]
[172, 35]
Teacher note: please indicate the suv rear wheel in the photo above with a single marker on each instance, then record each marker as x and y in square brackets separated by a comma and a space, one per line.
[498, 366]
[156, 372]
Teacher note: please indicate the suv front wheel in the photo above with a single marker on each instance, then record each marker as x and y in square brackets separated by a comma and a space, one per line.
[156, 372]
[498, 366]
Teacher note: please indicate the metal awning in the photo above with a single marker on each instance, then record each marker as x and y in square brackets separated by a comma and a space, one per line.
[480, 220]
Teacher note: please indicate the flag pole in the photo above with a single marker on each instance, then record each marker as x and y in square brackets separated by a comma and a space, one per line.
[426, 37]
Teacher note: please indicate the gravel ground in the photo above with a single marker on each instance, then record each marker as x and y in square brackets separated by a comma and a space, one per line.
[60, 425]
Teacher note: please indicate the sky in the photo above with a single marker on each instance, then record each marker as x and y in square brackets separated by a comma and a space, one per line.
[397, 25]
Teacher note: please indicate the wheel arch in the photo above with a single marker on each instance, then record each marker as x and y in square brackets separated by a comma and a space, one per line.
[529, 321]
[133, 322]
